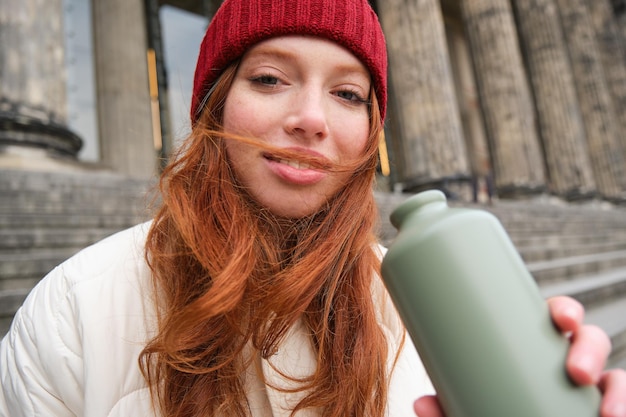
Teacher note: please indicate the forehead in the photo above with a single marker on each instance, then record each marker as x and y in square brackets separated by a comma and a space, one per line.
[297, 47]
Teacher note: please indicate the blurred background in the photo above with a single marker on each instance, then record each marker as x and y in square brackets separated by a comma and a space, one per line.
[512, 106]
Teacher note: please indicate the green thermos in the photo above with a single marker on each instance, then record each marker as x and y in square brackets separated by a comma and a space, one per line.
[476, 316]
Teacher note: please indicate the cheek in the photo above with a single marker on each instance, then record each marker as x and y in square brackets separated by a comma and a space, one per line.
[234, 150]
[354, 140]
[232, 114]
[241, 112]
[239, 157]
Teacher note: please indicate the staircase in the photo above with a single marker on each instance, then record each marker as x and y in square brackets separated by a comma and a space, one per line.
[577, 250]
[46, 217]
[571, 249]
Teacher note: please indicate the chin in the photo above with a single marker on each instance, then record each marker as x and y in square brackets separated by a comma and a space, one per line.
[290, 208]
[291, 213]
[293, 204]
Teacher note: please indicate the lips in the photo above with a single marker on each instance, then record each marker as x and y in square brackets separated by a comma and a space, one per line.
[294, 172]
[295, 164]
[315, 160]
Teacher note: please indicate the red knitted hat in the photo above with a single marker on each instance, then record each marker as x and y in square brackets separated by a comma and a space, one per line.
[239, 24]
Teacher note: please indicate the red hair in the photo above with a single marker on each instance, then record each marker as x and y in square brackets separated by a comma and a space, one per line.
[229, 274]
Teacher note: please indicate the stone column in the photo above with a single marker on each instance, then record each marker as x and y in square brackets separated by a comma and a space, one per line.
[505, 97]
[32, 77]
[471, 115]
[425, 105]
[560, 121]
[607, 154]
[619, 10]
[613, 57]
[124, 113]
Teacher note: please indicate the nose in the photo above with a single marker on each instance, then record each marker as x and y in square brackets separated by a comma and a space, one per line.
[307, 118]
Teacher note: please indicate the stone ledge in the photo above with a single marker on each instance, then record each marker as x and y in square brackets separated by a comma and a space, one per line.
[76, 221]
[568, 268]
[540, 253]
[611, 317]
[525, 240]
[18, 268]
[11, 300]
[25, 239]
[591, 289]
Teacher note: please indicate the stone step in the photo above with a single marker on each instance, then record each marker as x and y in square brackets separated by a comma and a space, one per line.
[85, 199]
[24, 239]
[562, 269]
[611, 317]
[591, 290]
[73, 203]
[30, 181]
[63, 220]
[10, 301]
[93, 200]
[540, 221]
[514, 209]
[562, 222]
[24, 269]
[555, 240]
[559, 220]
[537, 253]
[592, 234]
[611, 231]
[604, 298]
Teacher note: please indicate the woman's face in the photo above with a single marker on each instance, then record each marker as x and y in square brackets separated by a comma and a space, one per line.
[302, 94]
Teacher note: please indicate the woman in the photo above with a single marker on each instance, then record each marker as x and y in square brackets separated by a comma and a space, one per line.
[254, 291]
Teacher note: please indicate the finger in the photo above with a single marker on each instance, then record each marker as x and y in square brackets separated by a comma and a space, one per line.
[567, 313]
[428, 406]
[588, 354]
[613, 386]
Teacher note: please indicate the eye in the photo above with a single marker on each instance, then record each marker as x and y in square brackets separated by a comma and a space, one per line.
[351, 96]
[265, 80]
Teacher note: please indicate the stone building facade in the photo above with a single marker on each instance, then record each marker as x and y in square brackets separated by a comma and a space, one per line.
[528, 93]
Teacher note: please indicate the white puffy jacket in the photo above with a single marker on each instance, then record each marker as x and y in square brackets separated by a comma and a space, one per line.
[73, 347]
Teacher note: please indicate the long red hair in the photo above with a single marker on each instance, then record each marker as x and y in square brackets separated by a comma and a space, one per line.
[229, 274]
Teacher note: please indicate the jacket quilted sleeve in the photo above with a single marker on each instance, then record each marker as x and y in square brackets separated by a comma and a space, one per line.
[41, 371]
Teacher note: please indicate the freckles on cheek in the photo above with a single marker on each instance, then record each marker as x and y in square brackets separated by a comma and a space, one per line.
[357, 146]
[242, 119]
[236, 114]
[229, 116]
[351, 135]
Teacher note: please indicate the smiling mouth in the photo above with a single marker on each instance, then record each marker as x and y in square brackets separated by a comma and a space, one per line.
[290, 162]
[295, 164]
[296, 171]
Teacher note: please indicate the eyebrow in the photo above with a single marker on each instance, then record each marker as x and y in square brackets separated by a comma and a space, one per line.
[263, 51]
